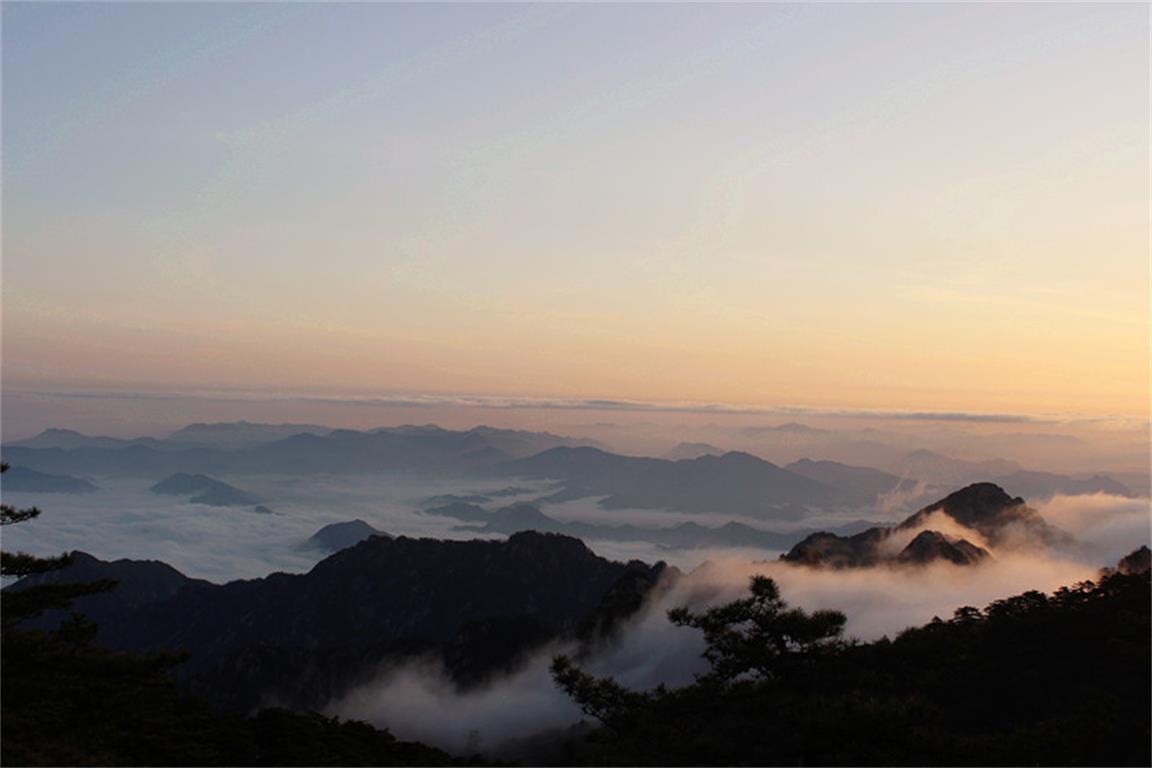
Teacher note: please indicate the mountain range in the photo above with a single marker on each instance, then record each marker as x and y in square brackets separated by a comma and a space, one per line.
[732, 484]
[244, 448]
[528, 517]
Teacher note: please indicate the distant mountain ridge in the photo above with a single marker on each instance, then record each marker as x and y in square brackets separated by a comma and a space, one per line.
[337, 451]
[863, 480]
[734, 484]
[1041, 485]
[527, 517]
[692, 451]
[240, 433]
[938, 468]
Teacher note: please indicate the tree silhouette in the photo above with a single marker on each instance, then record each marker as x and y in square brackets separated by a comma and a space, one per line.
[755, 637]
[26, 603]
[1031, 679]
[759, 635]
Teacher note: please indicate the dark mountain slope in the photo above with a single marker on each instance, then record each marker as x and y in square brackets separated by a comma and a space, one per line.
[303, 638]
[733, 484]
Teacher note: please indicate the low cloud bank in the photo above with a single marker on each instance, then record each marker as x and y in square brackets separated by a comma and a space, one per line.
[1105, 527]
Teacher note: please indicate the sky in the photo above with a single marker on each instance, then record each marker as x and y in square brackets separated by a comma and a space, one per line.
[887, 206]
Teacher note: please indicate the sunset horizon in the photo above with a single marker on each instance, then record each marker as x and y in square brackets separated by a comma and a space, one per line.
[576, 384]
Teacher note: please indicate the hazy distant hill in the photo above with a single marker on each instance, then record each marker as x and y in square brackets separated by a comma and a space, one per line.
[24, 480]
[204, 490]
[337, 536]
[692, 451]
[938, 468]
[733, 484]
[792, 427]
[1042, 485]
[240, 433]
[863, 480]
[68, 439]
[302, 638]
[409, 449]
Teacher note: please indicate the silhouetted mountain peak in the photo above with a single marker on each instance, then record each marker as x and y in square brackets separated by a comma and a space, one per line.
[691, 451]
[60, 432]
[1138, 561]
[736, 459]
[554, 544]
[931, 546]
[989, 509]
[336, 536]
[976, 502]
[981, 507]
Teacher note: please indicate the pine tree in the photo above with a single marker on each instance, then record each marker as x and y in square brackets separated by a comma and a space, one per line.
[19, 605]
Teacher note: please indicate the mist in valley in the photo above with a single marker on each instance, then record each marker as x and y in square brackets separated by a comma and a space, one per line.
[419, 701]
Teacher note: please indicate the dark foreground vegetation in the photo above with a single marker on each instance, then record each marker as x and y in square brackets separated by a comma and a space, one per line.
[67, 701]
[1030, 680]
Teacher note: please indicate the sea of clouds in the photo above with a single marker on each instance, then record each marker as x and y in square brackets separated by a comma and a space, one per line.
[126, 520]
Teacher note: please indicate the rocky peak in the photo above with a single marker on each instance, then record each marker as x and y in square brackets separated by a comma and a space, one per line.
[984, 508]
[930, 546]
[988, 509]
[1138, 561]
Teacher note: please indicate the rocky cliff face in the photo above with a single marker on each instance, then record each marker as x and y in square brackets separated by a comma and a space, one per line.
[300, 639]
[982, 508]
